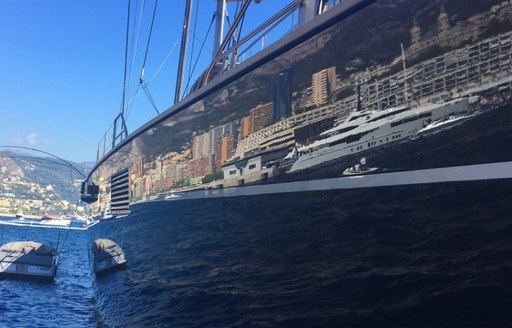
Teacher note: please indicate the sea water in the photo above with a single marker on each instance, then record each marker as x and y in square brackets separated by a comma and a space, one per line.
[436, 255]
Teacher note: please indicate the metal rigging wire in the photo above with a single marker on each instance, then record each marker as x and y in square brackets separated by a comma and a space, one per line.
[193, 43]
[141, 80]
[126, 58]
[44, 160]
[198, 55]
[150, 98]
[50, 154]
[165, 60]
[236, 37]
[132, 69]
[156, 73]
[36, 159]
[149, 40]
[135, 46]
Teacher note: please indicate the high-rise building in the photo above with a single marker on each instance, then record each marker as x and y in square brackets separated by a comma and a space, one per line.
[415, 33]
[245, 126]
[261, 116]
[221, 131]
[323, 83]
[200, 166]
[183, 171]
[282, 95]
[227, 148]
[216, 164]
[201, 146]
[443, 22]
[138, 167]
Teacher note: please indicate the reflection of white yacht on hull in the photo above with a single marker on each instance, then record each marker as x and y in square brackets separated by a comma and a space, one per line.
[364, 130]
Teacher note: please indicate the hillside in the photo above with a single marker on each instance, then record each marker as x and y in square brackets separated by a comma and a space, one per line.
[38, 184]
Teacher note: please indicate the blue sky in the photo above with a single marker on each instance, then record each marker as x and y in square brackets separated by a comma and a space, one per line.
[62, 66]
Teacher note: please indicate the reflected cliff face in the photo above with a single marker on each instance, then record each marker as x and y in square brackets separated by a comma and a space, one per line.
[390, 88]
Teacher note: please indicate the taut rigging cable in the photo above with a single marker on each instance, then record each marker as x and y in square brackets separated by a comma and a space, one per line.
[136, 37]
[126, 59]
[149, 40]
[193, 43]
[50, 154]
[198, 55]
[141, 80]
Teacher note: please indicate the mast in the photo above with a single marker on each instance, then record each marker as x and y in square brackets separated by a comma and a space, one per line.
[220, 16]
[308, 10]
[359, 100]
[183, 51]
[406, 89]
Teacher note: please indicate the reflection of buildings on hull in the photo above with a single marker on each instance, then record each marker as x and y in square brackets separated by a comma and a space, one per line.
[436, 77]
[396, 125]
[323, 84]
[460, 68]
[451, 36]
[277, 120]
[433, 79]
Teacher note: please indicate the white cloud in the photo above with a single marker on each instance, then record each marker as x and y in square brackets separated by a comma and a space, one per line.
[31, 139]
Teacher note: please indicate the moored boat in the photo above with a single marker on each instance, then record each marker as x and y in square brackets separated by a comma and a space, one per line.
[28, 259]
[107, 256]
[62, 221]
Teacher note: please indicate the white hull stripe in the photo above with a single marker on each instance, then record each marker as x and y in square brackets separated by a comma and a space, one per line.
[492, 171]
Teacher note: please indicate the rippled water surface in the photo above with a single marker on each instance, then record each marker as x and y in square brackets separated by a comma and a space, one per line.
[426, 256]
[67, 302]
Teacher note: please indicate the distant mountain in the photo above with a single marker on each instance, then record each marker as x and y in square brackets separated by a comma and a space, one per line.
[63, 177]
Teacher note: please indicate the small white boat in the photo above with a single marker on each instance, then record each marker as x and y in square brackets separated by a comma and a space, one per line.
[60, 222]
[107, 216]
[443, 124]
[353, 171]
[107, 256]
[172, 196]
[28, 259]
[20, 216]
